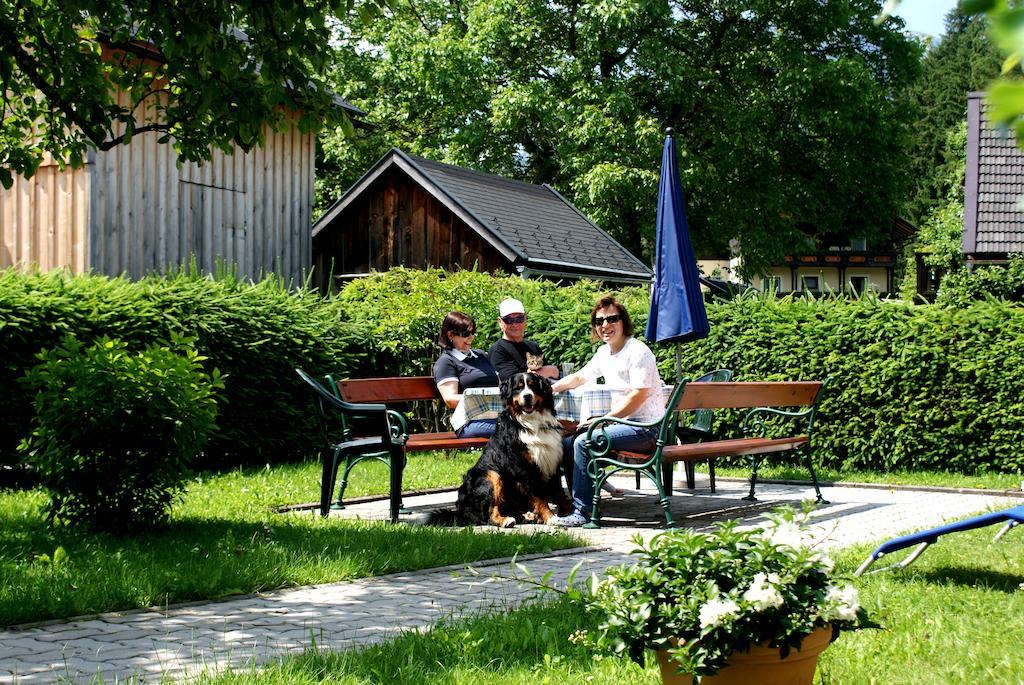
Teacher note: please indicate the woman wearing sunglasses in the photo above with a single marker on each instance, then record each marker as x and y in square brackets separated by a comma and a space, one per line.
[631, 372]
[460, 367]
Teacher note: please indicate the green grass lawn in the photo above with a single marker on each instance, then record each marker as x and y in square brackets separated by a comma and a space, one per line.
[226, 538]
[955, 616]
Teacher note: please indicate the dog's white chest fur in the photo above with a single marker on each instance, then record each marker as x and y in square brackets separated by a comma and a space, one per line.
[542, 436]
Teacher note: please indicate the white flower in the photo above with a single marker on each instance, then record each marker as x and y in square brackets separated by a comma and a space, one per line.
[786, 534]
[841, 603]
[824, 561]
[762, 593]
[716, 612]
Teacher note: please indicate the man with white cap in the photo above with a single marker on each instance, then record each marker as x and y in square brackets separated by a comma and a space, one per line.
[508, 355]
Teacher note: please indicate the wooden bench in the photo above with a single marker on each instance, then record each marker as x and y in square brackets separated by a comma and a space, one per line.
[396, 390]
[765, 401]
[357, 392]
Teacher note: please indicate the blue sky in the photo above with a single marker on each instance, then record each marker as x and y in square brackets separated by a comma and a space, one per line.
[925, 16]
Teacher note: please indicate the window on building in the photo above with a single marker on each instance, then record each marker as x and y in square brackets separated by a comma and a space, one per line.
[810, 284]
[771, 284]
[858, 284]
[859, 244]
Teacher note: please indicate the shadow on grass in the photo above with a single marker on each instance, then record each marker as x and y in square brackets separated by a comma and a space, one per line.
[972, 577]
[195, 559]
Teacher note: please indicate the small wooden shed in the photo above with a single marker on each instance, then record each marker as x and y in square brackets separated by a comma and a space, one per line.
[415, 212]
[135, 209]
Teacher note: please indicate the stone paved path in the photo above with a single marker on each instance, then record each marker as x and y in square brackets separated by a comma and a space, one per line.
[182, 641]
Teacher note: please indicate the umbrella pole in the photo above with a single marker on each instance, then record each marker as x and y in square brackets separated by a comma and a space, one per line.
[679, 364]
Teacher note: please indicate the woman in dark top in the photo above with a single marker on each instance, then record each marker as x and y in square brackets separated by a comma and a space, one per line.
[460, 367]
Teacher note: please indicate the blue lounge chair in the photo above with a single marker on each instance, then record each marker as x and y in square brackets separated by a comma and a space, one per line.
[1011, 517]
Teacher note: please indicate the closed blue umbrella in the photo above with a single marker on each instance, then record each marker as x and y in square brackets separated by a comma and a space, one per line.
[677, 311]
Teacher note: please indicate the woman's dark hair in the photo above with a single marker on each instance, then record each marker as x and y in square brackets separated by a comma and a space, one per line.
[610, 301]
[457, 323]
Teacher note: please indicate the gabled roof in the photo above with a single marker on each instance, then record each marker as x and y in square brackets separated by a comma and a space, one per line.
[993, 187]
[533, 226]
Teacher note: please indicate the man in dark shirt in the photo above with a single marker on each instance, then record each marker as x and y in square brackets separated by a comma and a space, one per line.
[508, 355]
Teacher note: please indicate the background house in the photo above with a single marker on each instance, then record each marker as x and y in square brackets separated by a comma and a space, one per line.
[843, 265]
[414, 212]
[993, 189]
[136, 209]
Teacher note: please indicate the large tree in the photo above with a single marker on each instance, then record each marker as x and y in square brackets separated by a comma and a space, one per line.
[81, 74]
[790, 115]
[961, 61]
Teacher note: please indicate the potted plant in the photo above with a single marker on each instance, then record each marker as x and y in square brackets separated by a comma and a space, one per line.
[724, 603]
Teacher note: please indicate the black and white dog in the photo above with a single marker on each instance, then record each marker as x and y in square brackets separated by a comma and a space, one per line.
[516, 478]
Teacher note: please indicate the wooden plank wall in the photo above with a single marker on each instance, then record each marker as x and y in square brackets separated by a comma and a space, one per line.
[133, 210]
[44, 220]
[248, 209]
[398, 223]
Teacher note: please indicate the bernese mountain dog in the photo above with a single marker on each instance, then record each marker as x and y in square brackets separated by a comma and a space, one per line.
[516, 477]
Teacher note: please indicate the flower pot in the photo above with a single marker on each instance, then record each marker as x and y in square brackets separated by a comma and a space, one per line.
[761, 665]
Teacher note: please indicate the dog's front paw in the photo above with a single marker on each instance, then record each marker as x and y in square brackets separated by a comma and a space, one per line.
[508, 522]
[530, 517]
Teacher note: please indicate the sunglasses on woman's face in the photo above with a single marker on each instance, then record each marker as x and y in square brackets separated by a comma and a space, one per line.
[514, 318]
[602, 320]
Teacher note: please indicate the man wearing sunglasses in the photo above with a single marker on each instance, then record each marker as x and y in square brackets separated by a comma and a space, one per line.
[508, 355]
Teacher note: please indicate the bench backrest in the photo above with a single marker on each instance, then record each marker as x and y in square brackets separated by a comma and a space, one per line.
[384, 390]
[740, 395]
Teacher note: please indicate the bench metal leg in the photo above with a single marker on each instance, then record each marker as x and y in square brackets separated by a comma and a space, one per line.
[711, 473]
[754, 463]
[397, 467]
[595, 509]
[814, 477]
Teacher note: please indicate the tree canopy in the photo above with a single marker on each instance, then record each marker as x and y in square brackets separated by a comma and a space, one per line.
[961, 61]
[202, 73]
[791, 117]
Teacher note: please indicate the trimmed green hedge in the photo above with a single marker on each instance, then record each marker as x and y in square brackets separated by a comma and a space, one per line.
[917, 387]
[254, 334]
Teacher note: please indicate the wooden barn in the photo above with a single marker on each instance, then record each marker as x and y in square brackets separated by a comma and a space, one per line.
[134, 209]
[415, 212]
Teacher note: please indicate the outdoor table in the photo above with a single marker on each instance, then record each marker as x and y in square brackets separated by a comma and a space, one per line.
[579, 404]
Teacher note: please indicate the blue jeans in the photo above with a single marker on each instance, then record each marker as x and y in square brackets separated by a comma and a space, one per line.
[482, 428]
[626, 438]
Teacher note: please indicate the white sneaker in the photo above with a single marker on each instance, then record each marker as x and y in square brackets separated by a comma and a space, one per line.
[573, 520]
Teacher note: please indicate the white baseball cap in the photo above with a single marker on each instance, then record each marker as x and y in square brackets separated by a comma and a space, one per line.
[510, 306]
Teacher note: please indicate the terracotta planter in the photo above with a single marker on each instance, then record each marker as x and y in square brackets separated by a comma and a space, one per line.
[761, 665]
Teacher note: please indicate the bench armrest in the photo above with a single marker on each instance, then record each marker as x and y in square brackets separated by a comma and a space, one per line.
[597, 440]
[398, 426]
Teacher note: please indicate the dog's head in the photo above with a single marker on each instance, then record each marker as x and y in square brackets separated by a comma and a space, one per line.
[525, 393]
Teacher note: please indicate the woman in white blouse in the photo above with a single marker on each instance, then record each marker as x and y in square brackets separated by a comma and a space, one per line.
[630, 370]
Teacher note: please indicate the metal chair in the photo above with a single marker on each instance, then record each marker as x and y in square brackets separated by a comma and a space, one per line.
[385, 433]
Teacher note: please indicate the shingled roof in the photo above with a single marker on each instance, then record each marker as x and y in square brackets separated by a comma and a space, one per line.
[993, 187]
[540, 231]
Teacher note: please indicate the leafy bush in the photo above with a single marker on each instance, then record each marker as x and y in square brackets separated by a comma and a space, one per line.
[963, 287]
[115, 431]
[917, 387]
[256, 334]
